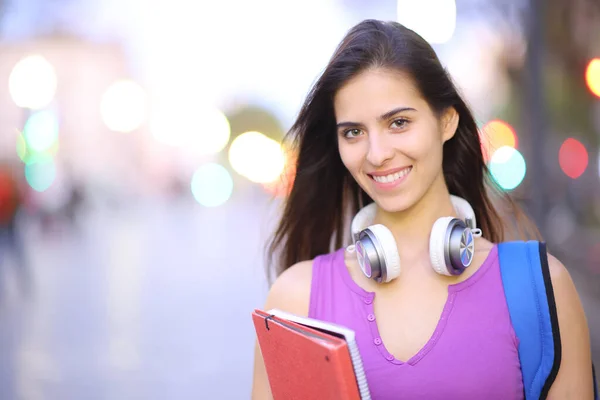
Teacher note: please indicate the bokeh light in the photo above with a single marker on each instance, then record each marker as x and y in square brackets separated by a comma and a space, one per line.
[28, 155]
[282, 186]
[257, 157]
[508, 167]
[496, 134]
[21, 147]
[40, 174]
[213, 132]
[573, 158]
[434, 20]
[212, 185]
[592, 76]
[123, 106]
[32, 82]
[41, 130]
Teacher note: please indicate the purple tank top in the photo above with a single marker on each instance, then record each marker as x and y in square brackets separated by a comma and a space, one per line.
[472, 353]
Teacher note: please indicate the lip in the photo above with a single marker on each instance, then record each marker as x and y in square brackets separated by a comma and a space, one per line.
[388, 185]
[388, 171]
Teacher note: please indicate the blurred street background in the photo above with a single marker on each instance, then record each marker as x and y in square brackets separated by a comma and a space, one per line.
[142, 170]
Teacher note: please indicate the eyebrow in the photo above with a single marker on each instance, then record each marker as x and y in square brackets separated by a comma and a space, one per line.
[382, 117]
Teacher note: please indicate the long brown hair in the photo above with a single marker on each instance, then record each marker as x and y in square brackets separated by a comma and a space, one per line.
[324, 195]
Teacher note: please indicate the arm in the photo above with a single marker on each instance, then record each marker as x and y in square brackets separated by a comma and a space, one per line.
[291, 293]
[574, 379]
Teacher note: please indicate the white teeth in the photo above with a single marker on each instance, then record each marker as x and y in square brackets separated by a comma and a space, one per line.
[392, 177]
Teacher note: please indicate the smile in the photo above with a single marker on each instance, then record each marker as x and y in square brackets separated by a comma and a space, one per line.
[391, 178]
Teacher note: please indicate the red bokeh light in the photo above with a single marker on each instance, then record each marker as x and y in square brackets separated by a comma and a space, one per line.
[573, 158]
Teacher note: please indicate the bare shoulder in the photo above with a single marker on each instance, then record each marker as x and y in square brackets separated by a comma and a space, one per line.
[291, 289]
[565, 292]
[483, 245]
[561, 281]
[558, 272]
[574, 379]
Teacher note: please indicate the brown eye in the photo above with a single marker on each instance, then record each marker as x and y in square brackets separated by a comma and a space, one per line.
[400, 123]
[350, 133]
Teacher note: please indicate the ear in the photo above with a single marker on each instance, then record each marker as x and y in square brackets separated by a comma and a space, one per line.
[449, 124]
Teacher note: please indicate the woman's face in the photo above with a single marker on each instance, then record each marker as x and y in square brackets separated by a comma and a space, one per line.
[389, 139]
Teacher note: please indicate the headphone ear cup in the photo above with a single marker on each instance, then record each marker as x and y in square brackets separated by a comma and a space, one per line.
[386, 245]
[437, 249]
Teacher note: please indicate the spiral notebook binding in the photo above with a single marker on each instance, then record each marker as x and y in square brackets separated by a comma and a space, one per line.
[359, 371]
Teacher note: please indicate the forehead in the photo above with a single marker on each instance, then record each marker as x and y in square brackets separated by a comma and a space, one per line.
[374, 92]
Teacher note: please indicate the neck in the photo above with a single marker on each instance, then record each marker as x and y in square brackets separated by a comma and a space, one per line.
[412, 227]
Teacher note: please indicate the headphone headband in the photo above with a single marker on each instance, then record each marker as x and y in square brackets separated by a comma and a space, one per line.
[464, 211]
[362, 219]
[366, 215]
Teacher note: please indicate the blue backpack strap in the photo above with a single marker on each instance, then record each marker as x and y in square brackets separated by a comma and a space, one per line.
[532, 308]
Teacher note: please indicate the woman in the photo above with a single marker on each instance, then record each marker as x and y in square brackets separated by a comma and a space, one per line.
[385, 124]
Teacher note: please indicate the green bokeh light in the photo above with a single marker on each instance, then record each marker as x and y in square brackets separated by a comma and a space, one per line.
[40, 174]
[212, 185]
[41, 130]
[508, 167]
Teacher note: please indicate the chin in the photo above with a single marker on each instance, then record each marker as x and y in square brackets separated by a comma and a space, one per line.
[392, 206]
[398, 199]
[393, 203]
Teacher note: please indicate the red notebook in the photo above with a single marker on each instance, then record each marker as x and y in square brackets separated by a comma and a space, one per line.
[309, 359]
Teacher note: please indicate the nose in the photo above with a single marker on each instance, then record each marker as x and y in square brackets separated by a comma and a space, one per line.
[380, 150]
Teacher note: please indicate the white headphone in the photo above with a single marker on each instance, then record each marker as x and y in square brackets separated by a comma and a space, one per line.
[451, 243]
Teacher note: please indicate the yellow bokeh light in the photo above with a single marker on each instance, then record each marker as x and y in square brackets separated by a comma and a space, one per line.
[28, 155]
[123, 106]
[282, 186]
[496, 134]
[257, 157]
[32, 82]
[213, 132]
[21, 147]
[592, 76]
[434, 20]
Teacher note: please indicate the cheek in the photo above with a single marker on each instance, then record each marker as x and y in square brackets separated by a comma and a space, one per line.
[424, 146]
[350, 157]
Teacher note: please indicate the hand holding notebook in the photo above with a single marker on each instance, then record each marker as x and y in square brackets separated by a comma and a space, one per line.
[309, 359]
